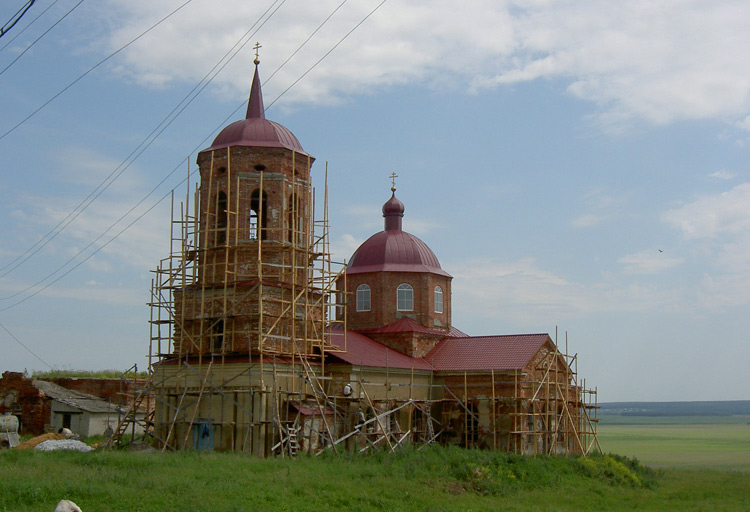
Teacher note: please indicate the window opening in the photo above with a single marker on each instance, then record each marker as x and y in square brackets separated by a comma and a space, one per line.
[258, 217]
[363, 298]
[438, 299]
[404, 297]
[218, 335]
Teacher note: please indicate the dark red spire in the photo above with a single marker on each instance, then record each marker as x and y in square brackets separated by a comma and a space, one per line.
[255, 108]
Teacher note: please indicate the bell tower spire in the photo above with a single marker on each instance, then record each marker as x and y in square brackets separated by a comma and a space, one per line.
[255, 109]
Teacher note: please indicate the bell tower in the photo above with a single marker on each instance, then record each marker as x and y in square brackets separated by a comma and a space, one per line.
[253, 290]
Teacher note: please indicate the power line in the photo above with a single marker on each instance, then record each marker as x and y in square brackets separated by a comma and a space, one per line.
[139, 217]
[41, 36]
[144, 144]
[24, 346]
[329, 51]
[16, 18]
[50, 6]
[92, 68]
[172, 172]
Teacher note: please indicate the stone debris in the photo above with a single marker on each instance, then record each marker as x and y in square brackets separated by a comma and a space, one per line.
[63, 444]
[67, 506]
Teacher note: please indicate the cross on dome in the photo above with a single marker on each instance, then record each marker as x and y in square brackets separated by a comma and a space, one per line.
[256, 48]
[393, 177]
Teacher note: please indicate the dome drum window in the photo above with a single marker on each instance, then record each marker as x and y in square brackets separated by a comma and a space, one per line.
[404, 298]
[363, 298]
[438, 299]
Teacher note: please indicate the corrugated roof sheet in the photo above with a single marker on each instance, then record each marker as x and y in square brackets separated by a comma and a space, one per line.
[363, 351]
[394, 251]
[508, 352]
[72, 398]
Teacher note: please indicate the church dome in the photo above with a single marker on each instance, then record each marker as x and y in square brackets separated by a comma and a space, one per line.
[255, 130]
[394, 250]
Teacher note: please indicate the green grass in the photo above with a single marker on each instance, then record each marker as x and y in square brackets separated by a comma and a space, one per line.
[98, 374]
[435, 479]
[680, 442]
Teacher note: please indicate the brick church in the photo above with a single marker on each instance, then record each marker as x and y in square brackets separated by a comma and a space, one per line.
[260, 344]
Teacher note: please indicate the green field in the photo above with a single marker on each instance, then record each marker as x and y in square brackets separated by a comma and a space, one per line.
[704, 466]
[685, 442]
[434, 479]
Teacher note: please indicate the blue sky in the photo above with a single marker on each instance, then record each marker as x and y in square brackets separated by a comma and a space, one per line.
[579, 166]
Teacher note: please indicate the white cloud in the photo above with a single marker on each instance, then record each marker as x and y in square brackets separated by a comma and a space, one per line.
[711, 216]
[648, 262]
[719, 228]
[522, 291]
[723, 175]
[659, 61]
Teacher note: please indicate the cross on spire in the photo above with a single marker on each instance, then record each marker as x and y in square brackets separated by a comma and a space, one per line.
[256, 48]
[393, 177]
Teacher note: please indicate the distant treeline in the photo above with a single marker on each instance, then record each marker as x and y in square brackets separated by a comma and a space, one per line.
[720, 408]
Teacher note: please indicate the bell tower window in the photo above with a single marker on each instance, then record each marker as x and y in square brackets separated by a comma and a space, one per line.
[404, 298]
[258, 210]
[363, 298]
[438, 299]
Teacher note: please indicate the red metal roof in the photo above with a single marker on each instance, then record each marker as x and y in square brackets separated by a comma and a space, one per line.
[510, 352]
[363, 351]
[255, 130]
[394, 251]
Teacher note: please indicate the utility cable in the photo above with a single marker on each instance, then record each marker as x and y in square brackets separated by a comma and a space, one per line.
[328, 52]
[24, 346]
[124, 165]
[92, 68]
[41, 36]
[172, 172]
[50, 6]
[16, 18]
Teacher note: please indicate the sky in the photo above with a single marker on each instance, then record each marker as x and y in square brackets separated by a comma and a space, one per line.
[581, 168]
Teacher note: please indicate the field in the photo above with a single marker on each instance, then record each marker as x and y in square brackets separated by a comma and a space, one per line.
[703, 465]
[436, 479]
[684, 442]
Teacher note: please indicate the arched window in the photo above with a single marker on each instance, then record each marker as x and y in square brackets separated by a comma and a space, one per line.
[438, 299]
[405, 297]
[221, 218]
[363, 298]
[258, 209]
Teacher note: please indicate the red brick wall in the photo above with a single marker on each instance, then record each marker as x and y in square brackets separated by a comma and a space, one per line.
[383, 311]
[16, 388]
[115, 390]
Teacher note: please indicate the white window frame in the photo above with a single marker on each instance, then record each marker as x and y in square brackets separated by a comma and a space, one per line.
[404, 297]
[363, 298]
[438, 299]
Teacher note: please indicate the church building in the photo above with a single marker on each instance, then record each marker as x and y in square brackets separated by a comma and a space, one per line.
[261, 344]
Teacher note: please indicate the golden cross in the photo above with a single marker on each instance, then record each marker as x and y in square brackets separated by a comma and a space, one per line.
[256, 48]
[393, 181]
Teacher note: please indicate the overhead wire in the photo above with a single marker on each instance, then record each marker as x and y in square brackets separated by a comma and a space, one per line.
[130, 159]
[38, 38]
[20, 32]
[155, 204]
[53, 232]
[16, 18]
[92, 68]
[24, 346]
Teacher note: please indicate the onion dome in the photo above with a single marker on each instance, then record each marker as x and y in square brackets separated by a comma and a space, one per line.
[255, 130]
[394, 250]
